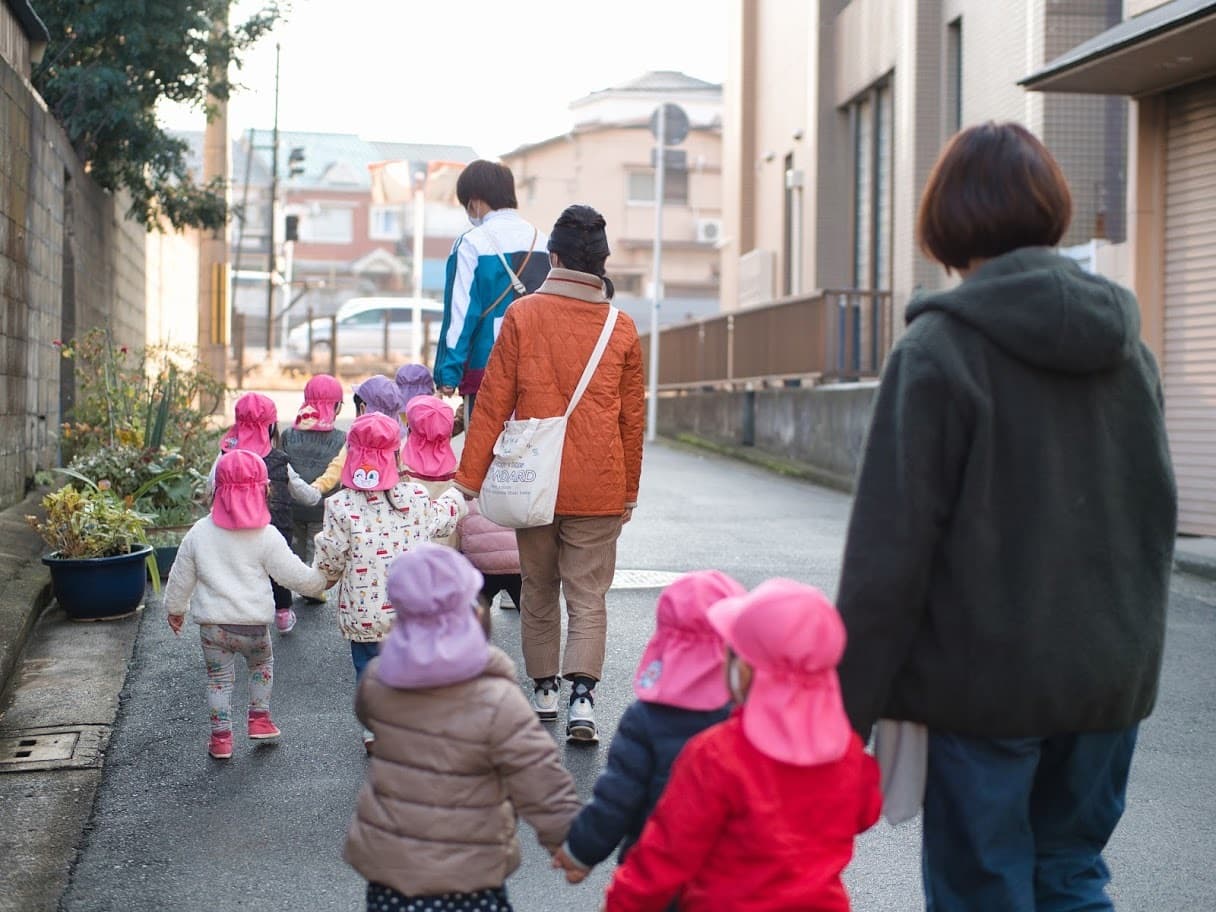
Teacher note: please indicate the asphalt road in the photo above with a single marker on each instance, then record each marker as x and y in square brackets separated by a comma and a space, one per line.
[174, 830]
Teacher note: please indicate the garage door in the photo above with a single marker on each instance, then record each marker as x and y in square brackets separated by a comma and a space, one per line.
[1190, 301]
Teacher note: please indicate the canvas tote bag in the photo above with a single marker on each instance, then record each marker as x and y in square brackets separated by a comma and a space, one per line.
[520, 489]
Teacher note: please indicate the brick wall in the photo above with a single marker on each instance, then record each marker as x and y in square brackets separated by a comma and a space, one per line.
[69, 261]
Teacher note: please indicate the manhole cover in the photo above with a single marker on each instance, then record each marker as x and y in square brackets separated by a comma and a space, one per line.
[31, 749]
[644, 579]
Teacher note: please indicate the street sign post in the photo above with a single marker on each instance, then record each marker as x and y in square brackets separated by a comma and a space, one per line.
[669, 126]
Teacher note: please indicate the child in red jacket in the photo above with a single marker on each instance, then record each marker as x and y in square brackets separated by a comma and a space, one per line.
[761, 811]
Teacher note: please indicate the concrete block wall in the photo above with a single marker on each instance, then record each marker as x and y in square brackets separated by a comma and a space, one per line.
[821, 428]
[69, 261]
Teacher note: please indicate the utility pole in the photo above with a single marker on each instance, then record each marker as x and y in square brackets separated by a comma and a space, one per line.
[419, 253]
[656, 291]
[669, 126]
[274, 192]
[214, 304]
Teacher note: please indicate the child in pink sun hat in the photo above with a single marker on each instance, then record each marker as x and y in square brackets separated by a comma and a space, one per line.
[377, 516]
[311, 444]
[219, 577]
[427, 457]
[459, 753]
[256, 430]
[681, 689]
[761, 811]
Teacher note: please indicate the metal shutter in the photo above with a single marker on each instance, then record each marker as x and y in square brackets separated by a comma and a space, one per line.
[1190, 301]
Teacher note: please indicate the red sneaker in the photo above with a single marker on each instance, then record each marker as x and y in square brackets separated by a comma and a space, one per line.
[260, 726]
[285, 620]
[221, 745]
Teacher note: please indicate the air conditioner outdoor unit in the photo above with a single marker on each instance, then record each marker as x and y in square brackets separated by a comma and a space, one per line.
[709, 230]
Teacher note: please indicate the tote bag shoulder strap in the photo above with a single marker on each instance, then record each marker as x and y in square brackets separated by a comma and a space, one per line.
[589, 371]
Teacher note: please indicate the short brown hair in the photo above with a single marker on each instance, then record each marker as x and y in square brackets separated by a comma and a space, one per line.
[492, 183]
[994, 189]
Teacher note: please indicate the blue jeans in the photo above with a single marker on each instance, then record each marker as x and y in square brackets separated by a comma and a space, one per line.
[361, 654]
[1019, 824]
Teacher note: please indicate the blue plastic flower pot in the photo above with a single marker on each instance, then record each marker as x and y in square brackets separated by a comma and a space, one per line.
[99, 588]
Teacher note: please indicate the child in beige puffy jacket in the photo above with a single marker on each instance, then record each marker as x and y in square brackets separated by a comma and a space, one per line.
[458, 752]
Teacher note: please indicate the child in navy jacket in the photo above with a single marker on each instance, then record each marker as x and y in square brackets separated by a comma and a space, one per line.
[681, 690]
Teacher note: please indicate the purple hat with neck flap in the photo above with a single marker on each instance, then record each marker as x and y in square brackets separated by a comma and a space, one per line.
[437, 639]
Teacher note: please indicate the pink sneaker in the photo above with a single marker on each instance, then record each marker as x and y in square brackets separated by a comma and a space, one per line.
[221, 745]
[285, 620]
[260, 726]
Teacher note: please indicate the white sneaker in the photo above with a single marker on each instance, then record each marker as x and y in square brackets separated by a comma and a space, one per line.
[581, 721]
[505, 602]
[369, 739]
[545, 697]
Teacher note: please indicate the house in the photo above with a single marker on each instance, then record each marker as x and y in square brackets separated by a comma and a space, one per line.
[347, 246]
[604, 160]
[1163, 56]
[835, 111]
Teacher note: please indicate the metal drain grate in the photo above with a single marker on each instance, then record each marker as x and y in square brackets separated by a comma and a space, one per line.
[644, 579]
[74, 747]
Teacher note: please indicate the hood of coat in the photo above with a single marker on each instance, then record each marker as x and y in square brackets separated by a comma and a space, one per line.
[1042, 308]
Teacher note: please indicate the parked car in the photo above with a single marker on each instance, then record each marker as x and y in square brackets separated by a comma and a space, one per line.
[361, 328]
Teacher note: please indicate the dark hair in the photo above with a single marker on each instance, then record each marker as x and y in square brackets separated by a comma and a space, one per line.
[994, 189]
[578, 237]
[489, 182]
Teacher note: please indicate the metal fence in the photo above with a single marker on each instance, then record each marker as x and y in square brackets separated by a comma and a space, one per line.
[828, 336]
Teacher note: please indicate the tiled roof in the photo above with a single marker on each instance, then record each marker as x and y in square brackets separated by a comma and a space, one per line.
[666, 81]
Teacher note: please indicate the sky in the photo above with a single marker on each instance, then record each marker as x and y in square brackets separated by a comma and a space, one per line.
[492, 75]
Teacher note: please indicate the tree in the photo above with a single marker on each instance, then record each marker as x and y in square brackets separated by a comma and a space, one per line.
[108, 64]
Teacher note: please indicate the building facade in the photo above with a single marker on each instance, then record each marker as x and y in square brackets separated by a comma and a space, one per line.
[605, 161]
[836, 110]
[347, 245]
[1163, 56]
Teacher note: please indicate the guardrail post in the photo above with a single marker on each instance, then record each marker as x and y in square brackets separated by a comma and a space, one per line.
[386, 325]
[749, 418]
[333, 345]
[238, 341]
[730, 347]
[308, 318]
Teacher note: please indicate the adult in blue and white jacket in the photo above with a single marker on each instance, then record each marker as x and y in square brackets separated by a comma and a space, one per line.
[479, 286]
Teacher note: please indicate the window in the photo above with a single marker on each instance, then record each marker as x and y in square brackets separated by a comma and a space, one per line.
[954, 76]
[373, 317]
[328, 225]
[386, 223]
[675, 186]
[873, 122]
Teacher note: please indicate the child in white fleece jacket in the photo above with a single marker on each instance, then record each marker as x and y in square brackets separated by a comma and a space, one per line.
[222, 576]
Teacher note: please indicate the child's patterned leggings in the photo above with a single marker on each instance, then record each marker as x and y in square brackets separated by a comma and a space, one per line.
[222, 643]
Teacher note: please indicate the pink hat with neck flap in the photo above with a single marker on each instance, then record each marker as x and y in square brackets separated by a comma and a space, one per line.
[240, 491]
[437, 639]
[428, 449]
[684, 660]
[322, 395]
[255, 414]
[371, 453]
[793, 638]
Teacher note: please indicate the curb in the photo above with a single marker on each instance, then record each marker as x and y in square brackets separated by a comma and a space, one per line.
[764, 460]
[25, 584]
[1195, 564]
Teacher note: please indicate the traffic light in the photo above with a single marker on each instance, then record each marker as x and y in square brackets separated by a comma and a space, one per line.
[293, 228]
[295, 162]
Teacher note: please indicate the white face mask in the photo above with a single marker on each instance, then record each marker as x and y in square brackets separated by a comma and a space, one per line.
[475, 220]
[734, 680]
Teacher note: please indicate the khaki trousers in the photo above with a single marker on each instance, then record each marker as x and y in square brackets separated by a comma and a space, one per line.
[573, 556]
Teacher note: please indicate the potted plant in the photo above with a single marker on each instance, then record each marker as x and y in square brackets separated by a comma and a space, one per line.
[99, 550]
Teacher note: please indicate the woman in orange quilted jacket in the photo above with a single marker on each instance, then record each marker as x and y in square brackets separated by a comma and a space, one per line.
[546, 340]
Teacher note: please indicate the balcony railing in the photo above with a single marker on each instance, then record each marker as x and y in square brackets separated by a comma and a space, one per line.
[827, 337]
